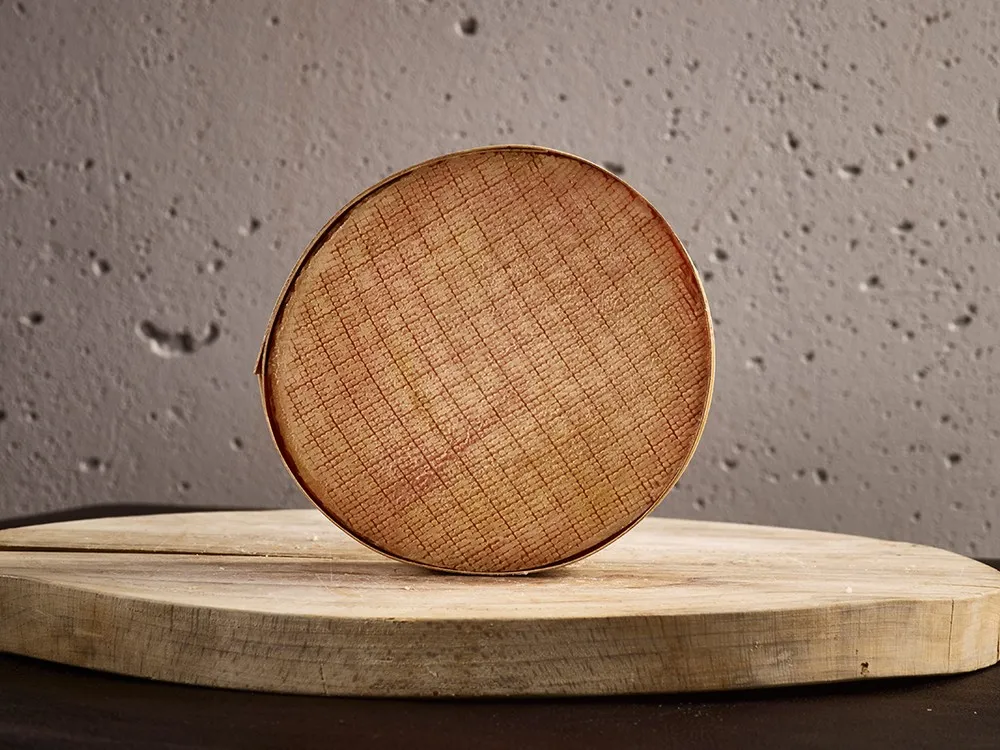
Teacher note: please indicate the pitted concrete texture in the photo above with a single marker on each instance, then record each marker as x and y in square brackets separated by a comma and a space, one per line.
[832, 168]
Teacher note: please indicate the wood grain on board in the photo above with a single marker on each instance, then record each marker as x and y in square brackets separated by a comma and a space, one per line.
[496, 361]
[284, 601]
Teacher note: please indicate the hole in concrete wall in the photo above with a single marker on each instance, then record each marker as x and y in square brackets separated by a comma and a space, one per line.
[962, 321]
[616, 168]
[467, 26]
[849, 171]
[821, 476]
[937, 122]
[92, 465]
[792, 141]
[251, 227]
[953, 459]
[170, 344]
[212, 267]
[32, 319]
[872, 282]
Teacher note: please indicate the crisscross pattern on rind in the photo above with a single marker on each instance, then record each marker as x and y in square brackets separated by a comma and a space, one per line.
[496, 362]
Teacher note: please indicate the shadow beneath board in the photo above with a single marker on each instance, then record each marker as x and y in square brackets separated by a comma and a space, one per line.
[50, 705]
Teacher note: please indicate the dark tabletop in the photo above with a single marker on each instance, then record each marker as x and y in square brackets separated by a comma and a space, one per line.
[45, 705]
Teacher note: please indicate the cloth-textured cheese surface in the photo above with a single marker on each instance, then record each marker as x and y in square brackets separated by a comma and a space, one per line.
[495, 362]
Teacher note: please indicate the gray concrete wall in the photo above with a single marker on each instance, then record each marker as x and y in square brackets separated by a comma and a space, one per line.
[832, 167]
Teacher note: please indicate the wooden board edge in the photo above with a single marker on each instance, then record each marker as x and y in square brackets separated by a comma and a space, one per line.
[455, 658]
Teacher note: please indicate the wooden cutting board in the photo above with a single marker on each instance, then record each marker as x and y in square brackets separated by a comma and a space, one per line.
[284, 601]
